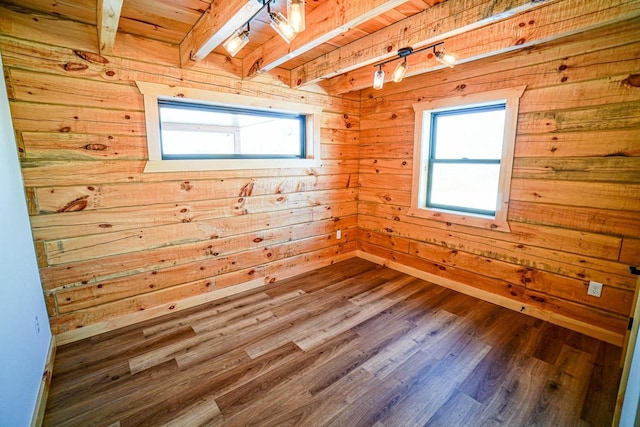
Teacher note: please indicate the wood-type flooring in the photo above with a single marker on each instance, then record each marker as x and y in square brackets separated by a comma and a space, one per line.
[352, 344]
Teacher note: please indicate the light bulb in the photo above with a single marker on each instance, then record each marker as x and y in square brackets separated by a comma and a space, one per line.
[378, 79]
[400, 71]
[448, 59]
[295, 13]
[236, 42]
[282, 26]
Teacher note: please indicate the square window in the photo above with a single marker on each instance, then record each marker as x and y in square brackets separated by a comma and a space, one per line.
[463, 156]
[464, 161]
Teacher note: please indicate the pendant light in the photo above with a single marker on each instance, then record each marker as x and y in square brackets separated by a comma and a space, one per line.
[295, 13]
[237, 41]
[282, 26]
[400, 71]
[448, 59]
[402, 67]
[378, 79]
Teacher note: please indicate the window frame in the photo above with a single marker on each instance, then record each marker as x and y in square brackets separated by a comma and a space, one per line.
[424, 111]
[153, 92]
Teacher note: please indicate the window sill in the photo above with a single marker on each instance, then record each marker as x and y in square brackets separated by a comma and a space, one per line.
[154, 166]
[471, 220]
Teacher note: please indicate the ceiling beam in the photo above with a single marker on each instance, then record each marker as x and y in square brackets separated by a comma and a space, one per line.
[550, 22]
[434, 24]
[220, 20]
[108, 16]
[330, 19]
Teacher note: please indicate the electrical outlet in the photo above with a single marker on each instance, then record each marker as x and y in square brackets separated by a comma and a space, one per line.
[595, 289]
[338, 234]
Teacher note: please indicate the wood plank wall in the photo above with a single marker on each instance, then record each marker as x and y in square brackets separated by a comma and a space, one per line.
[574, 210]
[113, 241]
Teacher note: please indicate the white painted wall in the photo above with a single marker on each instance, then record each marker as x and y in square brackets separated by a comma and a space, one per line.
[630, 383]
[23, 349]
[630, 416]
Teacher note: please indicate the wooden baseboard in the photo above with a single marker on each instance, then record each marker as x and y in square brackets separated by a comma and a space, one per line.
[43, 392]
[172, 307]
[531, 310]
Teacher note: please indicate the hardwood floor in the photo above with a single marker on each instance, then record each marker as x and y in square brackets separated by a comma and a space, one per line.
[353, 344]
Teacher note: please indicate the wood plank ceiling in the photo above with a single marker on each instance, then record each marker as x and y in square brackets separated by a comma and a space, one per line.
[344, 38]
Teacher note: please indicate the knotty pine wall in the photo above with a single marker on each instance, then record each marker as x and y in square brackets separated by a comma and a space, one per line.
[113, 241]
[574, 208]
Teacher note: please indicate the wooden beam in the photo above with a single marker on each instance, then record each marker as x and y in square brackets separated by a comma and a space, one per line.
[554, 20]
[220, 20]
[108, 14]
[329, 20]
[436, 23]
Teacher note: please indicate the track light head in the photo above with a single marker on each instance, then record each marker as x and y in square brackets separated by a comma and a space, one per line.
[448, 59]
[236, 42]
[400, 71]
[282, 26]
[295, 13]
[378, 79]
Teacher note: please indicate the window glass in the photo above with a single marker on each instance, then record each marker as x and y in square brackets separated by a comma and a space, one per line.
[464, 162]
[202, 131]
[472, 187]
[469, 133]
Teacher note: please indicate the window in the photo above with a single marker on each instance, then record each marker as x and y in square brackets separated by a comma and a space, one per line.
[464, 161]
[191, 129]
[463, 158]
[201, 131]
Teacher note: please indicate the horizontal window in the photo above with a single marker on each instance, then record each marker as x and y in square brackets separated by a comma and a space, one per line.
[202, 131]
[192, 129]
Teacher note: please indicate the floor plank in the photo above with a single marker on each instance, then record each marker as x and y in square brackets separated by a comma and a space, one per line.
[350, 344]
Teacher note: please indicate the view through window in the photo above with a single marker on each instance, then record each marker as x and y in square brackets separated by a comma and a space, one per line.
[202, 131]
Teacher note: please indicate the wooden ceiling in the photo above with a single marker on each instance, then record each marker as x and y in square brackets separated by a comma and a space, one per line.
[343, 38]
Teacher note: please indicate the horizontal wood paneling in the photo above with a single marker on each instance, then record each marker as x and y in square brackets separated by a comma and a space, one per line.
[113, 241]
[91, 272]
[574, 211]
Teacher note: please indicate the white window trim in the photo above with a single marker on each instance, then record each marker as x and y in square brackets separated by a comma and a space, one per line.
[154, 91]
[511, 98]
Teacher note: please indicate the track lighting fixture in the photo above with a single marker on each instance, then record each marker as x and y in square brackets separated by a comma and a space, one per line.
[448, 59]
[286, 28]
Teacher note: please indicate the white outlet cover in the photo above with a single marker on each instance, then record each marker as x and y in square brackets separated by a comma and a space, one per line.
[595, 289]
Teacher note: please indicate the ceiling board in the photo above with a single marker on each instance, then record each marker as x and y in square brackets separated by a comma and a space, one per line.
[347, 56]
[75, 10]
